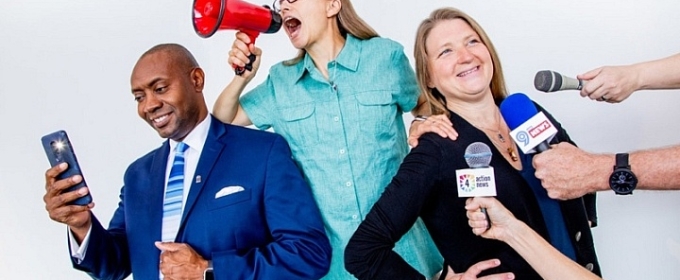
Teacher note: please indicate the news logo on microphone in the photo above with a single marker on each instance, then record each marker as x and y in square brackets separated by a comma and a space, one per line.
[476, 182]
[536, 130]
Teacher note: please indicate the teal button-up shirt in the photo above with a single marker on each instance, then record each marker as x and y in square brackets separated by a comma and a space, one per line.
[347, 134]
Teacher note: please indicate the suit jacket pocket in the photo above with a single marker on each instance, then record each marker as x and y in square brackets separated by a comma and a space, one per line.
[230, 199]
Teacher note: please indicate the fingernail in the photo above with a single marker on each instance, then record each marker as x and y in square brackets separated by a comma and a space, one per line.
[62, 165]
[82, 191]
[76, 178]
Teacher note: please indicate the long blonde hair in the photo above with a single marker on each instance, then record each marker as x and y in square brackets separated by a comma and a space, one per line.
[348, 22]
[435, 100]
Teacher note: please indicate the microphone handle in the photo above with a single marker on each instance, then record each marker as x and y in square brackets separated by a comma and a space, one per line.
[544, 146]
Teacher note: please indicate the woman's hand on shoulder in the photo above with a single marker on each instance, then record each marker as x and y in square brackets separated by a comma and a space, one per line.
[439, 124]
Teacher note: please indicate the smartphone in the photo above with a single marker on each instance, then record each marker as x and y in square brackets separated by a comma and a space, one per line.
[59, 149]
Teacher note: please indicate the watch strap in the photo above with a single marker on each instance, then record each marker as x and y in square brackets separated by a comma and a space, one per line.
[622, 161]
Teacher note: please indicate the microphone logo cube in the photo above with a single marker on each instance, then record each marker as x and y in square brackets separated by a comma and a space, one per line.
[476, 182]
[533, 132]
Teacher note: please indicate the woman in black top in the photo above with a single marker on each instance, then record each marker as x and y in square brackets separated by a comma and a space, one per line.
[460, 74]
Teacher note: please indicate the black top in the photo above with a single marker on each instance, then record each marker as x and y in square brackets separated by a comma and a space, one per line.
[425, 186]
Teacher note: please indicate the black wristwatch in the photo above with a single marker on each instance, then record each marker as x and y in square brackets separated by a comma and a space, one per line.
[622, 180]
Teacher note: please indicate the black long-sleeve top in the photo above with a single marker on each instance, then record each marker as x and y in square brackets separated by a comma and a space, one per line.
[425, 186]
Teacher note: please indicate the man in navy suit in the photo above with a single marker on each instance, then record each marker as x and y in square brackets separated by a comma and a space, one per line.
[246, 211]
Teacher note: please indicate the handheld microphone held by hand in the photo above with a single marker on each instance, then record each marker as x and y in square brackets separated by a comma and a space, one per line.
[479, 179]
[550, 81]
[530, 129]
[212, 15]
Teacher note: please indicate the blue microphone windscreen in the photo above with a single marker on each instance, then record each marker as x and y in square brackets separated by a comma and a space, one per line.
[516, 109]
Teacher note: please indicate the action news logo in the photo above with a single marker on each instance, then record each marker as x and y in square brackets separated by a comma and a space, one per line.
[469, 182]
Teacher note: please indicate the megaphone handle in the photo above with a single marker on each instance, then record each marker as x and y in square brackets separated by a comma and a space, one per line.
[249, 66]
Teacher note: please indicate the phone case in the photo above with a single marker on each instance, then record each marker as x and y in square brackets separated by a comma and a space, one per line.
[58, 149]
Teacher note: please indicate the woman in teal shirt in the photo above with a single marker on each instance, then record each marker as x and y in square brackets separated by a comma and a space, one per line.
[339, 104]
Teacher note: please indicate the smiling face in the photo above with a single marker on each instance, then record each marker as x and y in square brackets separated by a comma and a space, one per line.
[459, 64]
[168, 94]
[307, 21]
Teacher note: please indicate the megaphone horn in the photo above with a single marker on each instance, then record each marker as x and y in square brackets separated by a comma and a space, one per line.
[212, 15]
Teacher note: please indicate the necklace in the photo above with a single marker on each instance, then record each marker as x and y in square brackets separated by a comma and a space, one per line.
[510, 149]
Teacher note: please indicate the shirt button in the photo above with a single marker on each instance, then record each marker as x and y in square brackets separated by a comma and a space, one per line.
[590, 266]
[578, 236]
[342, 151]
[355, 217]
[349, 184]
[336, 119]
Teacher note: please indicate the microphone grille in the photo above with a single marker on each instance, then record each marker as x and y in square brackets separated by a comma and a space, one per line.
[547, 81]
[478, 155]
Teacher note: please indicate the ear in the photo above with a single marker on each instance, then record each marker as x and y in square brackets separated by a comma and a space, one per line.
[333, 8]
[198, 79]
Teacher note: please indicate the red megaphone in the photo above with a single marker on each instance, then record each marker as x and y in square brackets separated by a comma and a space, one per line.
[212, 15]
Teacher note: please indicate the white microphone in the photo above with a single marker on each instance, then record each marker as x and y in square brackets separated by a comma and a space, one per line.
[550, 81]
[479, 179]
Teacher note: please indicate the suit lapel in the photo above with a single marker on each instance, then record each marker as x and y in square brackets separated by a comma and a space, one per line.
[212, 149]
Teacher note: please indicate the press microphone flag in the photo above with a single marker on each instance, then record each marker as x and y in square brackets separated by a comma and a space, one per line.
[550, 81]
[530, 129]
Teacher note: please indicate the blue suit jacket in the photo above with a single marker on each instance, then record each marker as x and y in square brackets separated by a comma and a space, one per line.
[271, 230]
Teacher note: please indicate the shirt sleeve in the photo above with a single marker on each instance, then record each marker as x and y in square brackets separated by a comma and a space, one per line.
[78, 251]
[259, 103]
[370, 254]
[407, 93]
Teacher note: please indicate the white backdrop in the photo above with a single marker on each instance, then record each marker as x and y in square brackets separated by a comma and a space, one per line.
[66, 65]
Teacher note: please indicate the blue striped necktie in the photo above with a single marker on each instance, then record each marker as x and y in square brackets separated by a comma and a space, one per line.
[172, 203]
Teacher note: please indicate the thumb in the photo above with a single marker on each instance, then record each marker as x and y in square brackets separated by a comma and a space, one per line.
[167, 246]
[255, 50]
[590, 74]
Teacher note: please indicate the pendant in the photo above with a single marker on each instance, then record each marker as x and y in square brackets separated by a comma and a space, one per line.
[500, 137]
[512, 154]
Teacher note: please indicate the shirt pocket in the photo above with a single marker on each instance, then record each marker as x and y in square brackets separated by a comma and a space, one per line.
[299, 125]
[377, 111]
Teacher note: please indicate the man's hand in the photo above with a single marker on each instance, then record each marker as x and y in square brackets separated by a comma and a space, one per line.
[439, 124]
[180, 261]
[567, 172]
[474, 270]
[77, 217]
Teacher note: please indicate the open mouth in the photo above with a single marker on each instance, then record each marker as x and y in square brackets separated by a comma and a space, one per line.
[292, 25]
[160, 121]
[465, 73]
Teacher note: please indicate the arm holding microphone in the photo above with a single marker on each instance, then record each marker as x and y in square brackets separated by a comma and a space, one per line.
[544, 258]
[656, 169]
[616, 83]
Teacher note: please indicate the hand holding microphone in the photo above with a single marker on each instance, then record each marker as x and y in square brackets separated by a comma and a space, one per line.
[479, 179]
[610, 84]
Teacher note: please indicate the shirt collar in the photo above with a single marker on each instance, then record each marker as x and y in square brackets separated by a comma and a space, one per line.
[347, 58]
[196, 138]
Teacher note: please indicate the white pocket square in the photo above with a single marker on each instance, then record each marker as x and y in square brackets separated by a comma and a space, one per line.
[228, 190]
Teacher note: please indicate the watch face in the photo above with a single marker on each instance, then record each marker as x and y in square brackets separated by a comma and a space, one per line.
[623, 181]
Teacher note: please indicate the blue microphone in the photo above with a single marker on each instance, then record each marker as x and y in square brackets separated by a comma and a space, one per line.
[531, 129]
